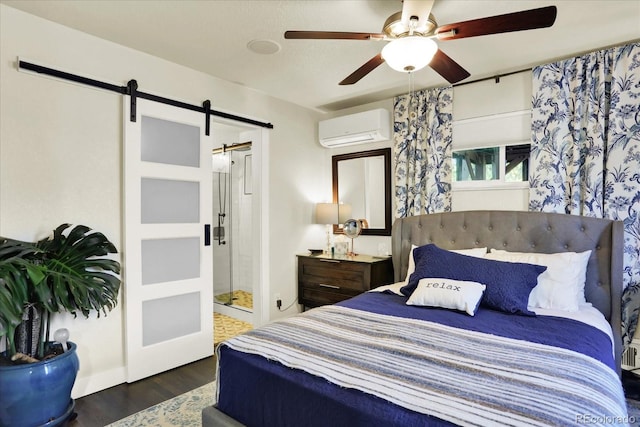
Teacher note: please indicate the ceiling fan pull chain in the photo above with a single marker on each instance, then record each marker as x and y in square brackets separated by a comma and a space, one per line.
[412, 94]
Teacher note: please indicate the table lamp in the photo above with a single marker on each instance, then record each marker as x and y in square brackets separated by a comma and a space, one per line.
[327, 214]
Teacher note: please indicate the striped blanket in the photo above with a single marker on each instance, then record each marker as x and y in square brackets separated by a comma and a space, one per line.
[465, 377]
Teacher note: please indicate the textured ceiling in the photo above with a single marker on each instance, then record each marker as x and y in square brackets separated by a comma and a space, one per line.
[212, 37]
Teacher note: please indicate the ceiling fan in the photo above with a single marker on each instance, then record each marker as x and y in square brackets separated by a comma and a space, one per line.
[411, 35]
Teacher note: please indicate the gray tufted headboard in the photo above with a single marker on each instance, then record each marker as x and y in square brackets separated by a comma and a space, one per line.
[526, 232]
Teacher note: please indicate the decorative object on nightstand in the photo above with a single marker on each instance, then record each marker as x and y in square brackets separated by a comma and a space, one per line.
[352, 229]
[341, 244]
[325, 279]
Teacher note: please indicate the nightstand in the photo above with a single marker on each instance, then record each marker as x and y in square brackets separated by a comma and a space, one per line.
[323, 279]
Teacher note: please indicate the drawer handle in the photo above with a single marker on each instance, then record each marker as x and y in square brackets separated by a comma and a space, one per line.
[328, 286]
[335, 261]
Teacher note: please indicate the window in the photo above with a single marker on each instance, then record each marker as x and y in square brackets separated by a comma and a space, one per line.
[508, 163]
[517, 162]
[476, 165]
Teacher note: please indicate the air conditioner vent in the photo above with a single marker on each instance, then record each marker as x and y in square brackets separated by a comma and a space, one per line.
[359, 128]
[630, 357]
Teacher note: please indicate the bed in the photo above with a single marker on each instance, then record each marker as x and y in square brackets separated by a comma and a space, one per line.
[470, 360]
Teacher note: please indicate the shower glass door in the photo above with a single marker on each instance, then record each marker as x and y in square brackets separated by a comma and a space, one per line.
[232, 230]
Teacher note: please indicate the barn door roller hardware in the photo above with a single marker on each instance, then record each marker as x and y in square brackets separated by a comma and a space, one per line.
[132, 91]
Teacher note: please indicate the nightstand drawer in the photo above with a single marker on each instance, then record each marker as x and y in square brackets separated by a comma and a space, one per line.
[334, 274]
[320, 296]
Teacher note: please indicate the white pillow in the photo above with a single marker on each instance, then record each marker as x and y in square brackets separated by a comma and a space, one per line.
[394, 287]
[561, 286]
[448, 293]
[476, 252]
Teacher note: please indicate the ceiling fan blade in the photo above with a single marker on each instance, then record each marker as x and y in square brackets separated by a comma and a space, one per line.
[448, 68]
[332, 35]
[419, 8]
[516, 21]
[368, 67]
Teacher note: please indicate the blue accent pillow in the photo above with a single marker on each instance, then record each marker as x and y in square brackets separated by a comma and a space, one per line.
[508, 283]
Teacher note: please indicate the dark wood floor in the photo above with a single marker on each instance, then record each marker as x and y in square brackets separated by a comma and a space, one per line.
[115, 403]
[631, 384]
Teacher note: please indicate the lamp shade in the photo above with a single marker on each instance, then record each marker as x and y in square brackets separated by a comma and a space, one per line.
[410, 53]
[327, 213]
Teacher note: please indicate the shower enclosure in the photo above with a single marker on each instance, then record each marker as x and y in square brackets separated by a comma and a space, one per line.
[232, 234]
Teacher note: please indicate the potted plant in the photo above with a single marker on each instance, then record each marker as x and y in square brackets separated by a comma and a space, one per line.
[68, 271]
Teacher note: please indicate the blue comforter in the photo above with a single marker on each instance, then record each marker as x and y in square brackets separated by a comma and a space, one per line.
[257, 391]
[555, 331]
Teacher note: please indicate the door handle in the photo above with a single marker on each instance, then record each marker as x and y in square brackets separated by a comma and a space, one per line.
[207, 234]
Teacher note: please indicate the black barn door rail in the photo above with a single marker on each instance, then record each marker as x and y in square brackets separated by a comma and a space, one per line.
[132, 90]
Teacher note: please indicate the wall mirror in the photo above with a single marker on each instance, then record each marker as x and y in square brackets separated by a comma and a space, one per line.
[362, 181]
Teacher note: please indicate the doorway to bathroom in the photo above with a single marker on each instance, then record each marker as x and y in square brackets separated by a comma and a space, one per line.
[232, 231]
[235, 232]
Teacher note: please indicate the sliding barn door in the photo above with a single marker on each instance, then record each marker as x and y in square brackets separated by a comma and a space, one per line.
[168, 291]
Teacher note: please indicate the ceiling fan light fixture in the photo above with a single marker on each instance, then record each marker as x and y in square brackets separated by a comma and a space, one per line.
[408, 54]
[394, 27]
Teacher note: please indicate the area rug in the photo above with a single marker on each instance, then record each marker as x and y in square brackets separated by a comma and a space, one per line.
[225, 327]
[183, 410]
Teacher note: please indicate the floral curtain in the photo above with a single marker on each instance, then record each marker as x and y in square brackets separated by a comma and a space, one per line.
[422, 151]
[585, 156]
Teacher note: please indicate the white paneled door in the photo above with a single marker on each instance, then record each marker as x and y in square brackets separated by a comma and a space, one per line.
[168, 289]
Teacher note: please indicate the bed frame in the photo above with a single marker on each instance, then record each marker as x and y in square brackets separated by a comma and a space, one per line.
[527, 232]
[519, 232]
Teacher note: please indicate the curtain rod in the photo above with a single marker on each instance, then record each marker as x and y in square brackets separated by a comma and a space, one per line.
[131, 90]
[496, 77]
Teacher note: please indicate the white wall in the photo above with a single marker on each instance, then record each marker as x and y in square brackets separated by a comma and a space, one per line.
[60, 160]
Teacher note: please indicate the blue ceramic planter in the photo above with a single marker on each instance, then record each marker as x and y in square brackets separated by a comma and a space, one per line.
[38, 394]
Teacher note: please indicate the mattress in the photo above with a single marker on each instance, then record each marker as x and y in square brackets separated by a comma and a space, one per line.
[256, 387]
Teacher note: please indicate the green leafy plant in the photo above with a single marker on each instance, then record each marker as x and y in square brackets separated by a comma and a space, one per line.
[69, 271]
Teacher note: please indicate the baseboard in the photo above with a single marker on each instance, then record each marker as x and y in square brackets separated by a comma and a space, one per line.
[98, 382]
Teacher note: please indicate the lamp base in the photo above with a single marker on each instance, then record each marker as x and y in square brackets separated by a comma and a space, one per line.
[327, 248]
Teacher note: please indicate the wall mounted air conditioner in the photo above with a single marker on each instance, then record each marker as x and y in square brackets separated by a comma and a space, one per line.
[359, 128]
